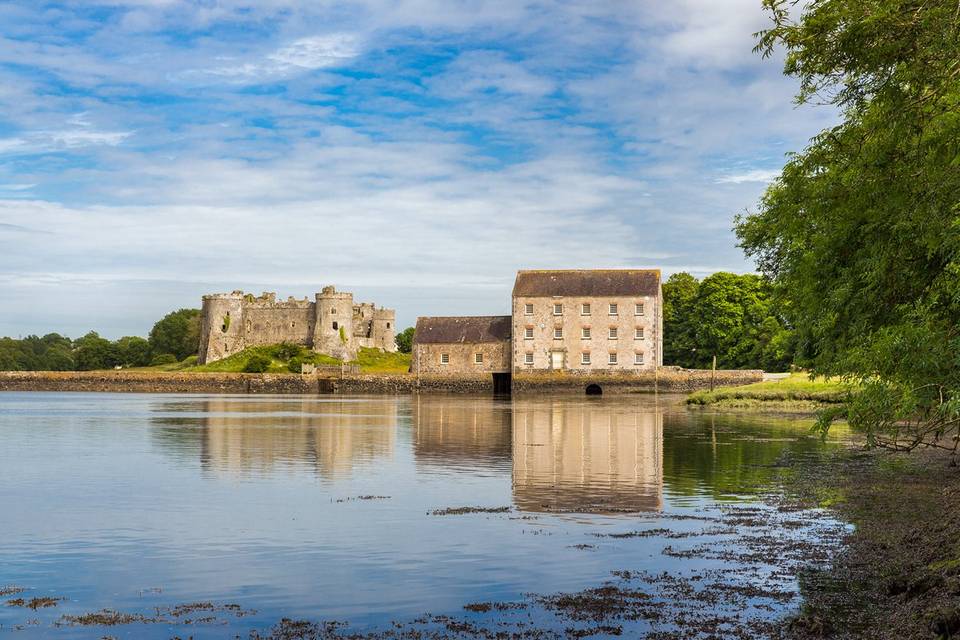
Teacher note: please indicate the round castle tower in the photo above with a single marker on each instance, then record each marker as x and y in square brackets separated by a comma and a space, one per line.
[221, 329]
[384, 326]
[333, 332]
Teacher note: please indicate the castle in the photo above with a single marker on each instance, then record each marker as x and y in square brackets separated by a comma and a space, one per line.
[330, 324]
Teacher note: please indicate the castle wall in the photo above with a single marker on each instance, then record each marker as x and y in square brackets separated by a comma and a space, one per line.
[331, 324]
[279, 323]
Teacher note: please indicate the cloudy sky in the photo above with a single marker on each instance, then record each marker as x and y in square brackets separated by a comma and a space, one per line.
[416, 152]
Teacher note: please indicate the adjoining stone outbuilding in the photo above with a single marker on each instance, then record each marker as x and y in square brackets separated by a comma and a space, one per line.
[331, 324]
[464, 346]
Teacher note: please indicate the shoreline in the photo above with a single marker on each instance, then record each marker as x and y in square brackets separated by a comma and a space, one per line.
[666, 380]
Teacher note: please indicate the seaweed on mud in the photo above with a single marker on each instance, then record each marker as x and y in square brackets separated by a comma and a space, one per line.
[34, 603]
[11, 590]
[366, 497]
[458, 511]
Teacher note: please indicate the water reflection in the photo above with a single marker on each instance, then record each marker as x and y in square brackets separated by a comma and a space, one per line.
[472, 432]
[587, 457]
[255, 436]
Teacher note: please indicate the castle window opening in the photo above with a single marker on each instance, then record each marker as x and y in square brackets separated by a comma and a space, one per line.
[388, 325]
[333, 311]
[335, 325]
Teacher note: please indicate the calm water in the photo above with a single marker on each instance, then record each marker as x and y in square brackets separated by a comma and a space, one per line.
[130, 502]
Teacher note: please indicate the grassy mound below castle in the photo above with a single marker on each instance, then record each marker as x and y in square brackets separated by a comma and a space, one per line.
[288, 358]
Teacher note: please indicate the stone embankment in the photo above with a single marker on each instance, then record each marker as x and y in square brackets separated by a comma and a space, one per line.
[667, 379]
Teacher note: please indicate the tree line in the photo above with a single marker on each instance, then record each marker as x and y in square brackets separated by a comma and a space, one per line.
[732, 317]
[173, 338]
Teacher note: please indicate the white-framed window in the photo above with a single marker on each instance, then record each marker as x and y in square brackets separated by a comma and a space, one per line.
[638, 309]
[558, 333]
[638, 358]
[613, 308]
[585, 309]
[558, 308]
[613, 333]
[444, 358]
[528, 357]
[613, 358]
[528, 309]
[585, 357]
[528, 333]
[585, 333]
[638, 333]
[478, 358]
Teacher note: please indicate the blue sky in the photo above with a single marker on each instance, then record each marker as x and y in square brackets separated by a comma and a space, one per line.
[416, 152]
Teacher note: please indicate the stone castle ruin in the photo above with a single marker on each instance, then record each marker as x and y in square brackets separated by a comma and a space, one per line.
[330, 324]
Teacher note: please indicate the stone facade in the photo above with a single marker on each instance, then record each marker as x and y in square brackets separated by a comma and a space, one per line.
[575, 321]
[331, 324]
[587, 321]
[462, 345]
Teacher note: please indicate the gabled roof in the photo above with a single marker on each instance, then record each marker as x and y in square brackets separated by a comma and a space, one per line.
[587, 283]
[462, 329]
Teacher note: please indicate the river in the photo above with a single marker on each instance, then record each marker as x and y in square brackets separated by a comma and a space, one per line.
[242, 510]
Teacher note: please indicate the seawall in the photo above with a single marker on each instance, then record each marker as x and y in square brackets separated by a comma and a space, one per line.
[667, 379]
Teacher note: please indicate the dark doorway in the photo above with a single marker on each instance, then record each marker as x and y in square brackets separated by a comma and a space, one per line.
[594, 390]
[501, 383]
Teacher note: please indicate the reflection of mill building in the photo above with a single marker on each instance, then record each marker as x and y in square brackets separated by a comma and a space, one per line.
[470, 431]
[331, 324]
[583, 457]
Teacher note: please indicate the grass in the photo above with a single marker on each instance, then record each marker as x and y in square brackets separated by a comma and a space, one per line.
[797, 388]
[369, 360]
[377, 361]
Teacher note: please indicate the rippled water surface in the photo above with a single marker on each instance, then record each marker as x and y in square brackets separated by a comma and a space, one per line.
[321, 507]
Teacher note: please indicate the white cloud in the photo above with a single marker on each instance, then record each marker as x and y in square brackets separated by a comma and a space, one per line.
[755, 175]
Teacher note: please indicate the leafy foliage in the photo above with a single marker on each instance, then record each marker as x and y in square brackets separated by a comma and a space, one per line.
[177, 332]
[861, 231]
[731, 316]
[93, 352]
[404, 340]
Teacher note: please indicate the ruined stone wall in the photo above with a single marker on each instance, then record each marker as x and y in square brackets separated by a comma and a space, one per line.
[279, 322]
[427, 358]
[572, 344]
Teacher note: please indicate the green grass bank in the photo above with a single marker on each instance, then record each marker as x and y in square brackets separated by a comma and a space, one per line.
[796, 391]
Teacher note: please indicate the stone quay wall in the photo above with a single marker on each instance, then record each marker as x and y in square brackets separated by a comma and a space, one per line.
[666, 379]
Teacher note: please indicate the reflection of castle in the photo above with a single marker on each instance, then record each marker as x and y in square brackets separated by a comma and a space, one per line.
[450, 430]
[328, 436]
[586, 457]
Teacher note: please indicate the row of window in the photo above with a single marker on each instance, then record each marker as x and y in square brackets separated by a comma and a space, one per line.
[613, 309]
[585, 358]
[528, 358]
[612, 333]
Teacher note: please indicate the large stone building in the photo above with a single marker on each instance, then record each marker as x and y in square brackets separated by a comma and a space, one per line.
[578, 321]
[331, 324]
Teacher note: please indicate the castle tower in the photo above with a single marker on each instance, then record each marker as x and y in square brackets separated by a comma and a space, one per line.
[221, 328]
[333, 332]
[384, 327]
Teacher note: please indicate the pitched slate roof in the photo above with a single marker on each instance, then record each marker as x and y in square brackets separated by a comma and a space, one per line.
[587, 283]
[462, 329]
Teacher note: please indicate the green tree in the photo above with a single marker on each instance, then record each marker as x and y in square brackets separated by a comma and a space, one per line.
[257, 363]
[679, 341]
[177, 333]
[133, 351]
[861, 231]
[93, 352]
[404, 340]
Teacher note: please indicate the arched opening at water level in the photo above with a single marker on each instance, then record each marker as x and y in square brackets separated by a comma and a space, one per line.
[594, 390]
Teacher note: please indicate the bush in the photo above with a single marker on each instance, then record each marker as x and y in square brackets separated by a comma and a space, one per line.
[294, 365]
[287, 351]
[163, 358]
[404, 340]
[257, 364]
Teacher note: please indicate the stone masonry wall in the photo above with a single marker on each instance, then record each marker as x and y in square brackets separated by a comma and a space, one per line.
[572, 344]
[462, 358]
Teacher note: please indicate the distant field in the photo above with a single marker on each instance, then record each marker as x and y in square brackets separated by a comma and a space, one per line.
[797, 390]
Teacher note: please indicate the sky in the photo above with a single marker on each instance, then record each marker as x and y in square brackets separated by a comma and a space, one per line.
[415, 152]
